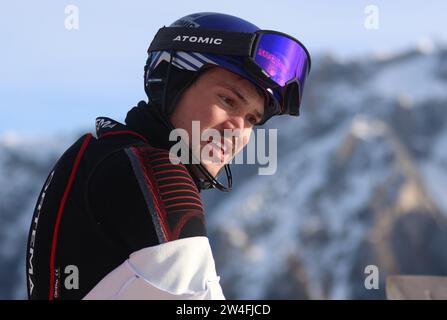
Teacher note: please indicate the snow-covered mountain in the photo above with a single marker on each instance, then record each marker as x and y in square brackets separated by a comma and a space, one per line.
[25, 162]
[361, 180]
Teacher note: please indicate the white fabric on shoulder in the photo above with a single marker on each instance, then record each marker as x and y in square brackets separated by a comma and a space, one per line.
[179, 269]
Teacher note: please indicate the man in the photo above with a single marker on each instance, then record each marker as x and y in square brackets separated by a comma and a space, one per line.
[120, 215]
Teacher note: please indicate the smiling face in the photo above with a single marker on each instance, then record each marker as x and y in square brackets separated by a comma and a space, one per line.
[220, 100]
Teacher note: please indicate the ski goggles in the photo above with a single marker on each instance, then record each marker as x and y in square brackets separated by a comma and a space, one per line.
[278, 61]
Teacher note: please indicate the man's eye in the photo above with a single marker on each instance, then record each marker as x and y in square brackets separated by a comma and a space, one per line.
[253, 120]
[227, 101]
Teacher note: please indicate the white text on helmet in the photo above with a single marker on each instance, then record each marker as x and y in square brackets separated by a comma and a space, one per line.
[207, 40]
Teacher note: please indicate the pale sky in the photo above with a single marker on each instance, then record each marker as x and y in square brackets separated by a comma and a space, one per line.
[57, 80]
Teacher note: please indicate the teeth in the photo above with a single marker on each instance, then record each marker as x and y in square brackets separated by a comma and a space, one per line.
[220, 145]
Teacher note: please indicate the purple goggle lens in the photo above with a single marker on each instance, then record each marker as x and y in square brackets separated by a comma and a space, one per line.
[282, 58]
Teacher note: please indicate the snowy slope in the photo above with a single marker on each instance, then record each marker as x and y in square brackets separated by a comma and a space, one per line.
[362, 179]
[366, 158]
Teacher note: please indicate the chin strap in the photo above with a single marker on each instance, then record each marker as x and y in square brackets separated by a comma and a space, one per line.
[204, 178]
[207, 181]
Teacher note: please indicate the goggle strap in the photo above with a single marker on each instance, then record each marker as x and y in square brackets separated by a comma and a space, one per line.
[202, 40]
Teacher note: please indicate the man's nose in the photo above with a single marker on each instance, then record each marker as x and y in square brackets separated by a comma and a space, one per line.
[238, 135]
[235, 122]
